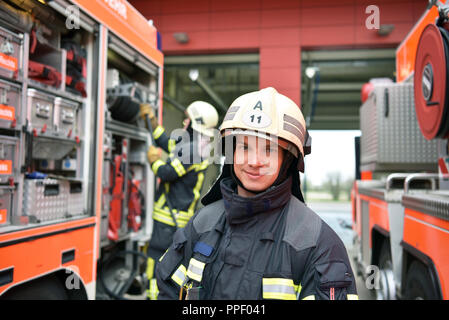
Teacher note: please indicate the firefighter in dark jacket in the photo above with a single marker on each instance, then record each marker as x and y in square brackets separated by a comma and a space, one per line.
[255, 238]
[181, 176]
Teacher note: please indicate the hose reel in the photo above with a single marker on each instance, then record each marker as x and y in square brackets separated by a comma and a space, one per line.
[431, 79]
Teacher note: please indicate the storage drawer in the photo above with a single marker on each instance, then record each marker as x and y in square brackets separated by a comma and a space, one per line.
[66, 118]
[11, 54]
[51, 148]
[6, 204]
[45, 199]
[9, 158]
[41, 112]
[10, 105]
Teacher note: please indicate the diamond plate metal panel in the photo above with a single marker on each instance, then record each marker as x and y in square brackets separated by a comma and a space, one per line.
[391, 139]
[46, 199]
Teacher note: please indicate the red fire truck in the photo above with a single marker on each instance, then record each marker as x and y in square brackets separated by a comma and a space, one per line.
[401, 203]
[74, 180]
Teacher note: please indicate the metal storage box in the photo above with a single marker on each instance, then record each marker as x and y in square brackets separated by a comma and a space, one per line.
[66, 118]
[9, 157]
[6, 204]
[52, 199]
[10, 105]
[391, 138]
[45, 199]
[41, 112]
[11, 54]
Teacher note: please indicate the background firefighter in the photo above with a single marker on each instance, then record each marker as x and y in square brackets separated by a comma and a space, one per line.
[181, 177]
[255, 238]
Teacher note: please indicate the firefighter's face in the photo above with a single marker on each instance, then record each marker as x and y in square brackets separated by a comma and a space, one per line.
[257, 162]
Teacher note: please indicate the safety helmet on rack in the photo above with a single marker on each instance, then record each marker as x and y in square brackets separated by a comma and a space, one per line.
[270, 115]
[203, 117]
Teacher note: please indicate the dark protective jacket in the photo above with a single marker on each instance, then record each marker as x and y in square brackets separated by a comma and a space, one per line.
[270, 246]
[182, 177]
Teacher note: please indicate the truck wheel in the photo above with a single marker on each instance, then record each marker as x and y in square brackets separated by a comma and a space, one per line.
[418, 283]
[386, 289]
[48, 288]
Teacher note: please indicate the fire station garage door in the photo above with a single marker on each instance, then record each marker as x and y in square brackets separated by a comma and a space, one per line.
[332, 81]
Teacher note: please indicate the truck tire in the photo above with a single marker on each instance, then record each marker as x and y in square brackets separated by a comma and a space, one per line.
[387, 287]
[419, 284]
[47, 288]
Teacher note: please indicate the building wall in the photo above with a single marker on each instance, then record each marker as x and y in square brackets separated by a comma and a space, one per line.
[277, 29]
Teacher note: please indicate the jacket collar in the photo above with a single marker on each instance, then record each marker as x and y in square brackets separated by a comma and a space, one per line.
[241, 209]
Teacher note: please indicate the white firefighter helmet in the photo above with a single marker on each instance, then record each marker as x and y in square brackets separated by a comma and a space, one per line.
[203, 117]
[270, 115]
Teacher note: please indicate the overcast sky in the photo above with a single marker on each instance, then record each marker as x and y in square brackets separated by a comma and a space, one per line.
[331, 151]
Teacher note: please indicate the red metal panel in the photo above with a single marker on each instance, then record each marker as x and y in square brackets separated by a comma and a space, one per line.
[327, 36]
[235, 39]
[285, 80]
[379, 2]
[279, 37]
[318, 20]
[280, 56]
[147, 8]
[270, 4]
[234, 20]
[419, 7]
[367, 175]
[378, 214]
[280, 18]
[282, 77]
[325, 3]
[176, 6]
[234, 5]
[333, 16]
[185, 22]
